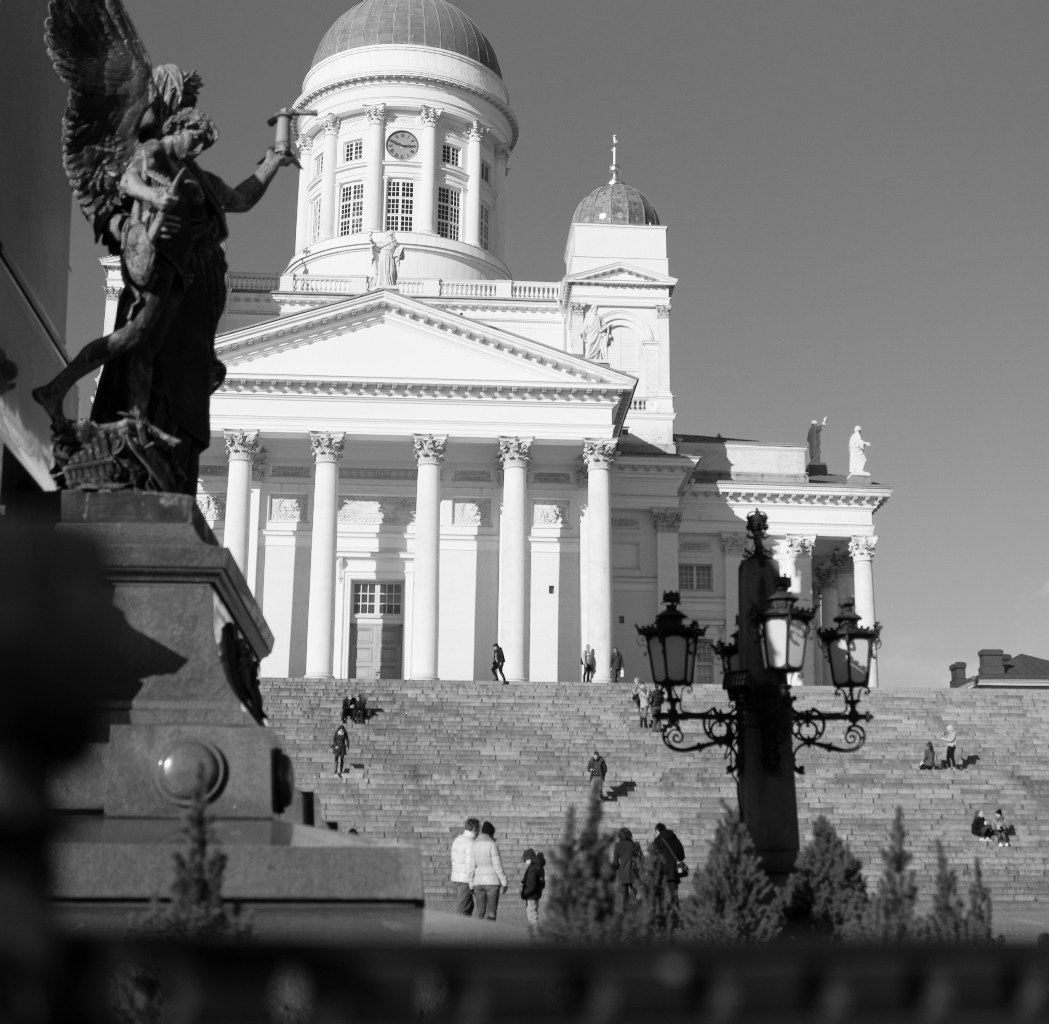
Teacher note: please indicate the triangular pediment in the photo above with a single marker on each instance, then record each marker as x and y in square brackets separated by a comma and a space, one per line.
[621, 274]
[386, 337]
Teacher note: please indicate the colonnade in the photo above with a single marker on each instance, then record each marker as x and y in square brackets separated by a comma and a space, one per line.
[513, 596]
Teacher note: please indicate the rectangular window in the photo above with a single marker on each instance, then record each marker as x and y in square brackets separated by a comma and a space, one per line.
[400, 203]
[352, 150]
[384, 597]
[448, 213]
[695, 577]
[318, 164]
[486, 172]
[315, 220]
[351, 208]
[705, 670]
[486, 228]
[451, 155]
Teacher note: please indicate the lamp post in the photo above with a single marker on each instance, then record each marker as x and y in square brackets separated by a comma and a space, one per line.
[762, 730]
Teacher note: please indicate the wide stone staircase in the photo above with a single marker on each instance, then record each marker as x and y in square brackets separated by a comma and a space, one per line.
[435, 753]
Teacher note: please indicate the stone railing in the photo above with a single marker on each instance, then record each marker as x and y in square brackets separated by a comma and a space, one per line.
[252, 282]
[435, 288]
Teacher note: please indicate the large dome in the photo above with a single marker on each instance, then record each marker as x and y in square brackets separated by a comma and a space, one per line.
[433, 23]
[615, 203]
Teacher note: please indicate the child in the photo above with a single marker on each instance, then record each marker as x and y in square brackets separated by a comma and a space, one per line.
[532, 885]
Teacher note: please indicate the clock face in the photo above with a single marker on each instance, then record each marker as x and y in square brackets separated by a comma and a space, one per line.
[402, 145]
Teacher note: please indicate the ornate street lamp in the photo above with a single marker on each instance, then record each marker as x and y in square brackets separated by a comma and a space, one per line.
[850, 648]
[784, 629]
[672, 646]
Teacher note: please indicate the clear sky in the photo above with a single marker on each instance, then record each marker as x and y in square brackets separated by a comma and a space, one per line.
[856, 195]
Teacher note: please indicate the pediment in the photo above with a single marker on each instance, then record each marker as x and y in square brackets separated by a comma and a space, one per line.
[621, 274]
[385, 337]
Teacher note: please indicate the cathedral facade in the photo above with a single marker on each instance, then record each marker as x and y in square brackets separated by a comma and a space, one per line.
[416, 455]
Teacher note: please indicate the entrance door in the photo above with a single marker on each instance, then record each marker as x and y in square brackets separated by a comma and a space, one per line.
[376, 631]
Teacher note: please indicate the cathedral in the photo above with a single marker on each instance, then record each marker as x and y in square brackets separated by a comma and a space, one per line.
[415, 455]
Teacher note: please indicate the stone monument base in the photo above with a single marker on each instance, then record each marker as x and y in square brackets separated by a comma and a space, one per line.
[859, 480]
[188, 637]
[816, 469]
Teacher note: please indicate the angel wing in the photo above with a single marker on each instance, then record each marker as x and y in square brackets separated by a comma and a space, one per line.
[99, 55]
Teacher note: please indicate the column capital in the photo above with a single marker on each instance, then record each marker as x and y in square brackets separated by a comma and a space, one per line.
[667, 520]
[862, 548]
[241, 445]
[429, 450]
[429, 116]
[734, 544]
[599, 454]
[662, 312]
[303, 142]
[376, 113]
[330, 124]
[797, 545]
[515, 451]
[477, 131]
[326, 447]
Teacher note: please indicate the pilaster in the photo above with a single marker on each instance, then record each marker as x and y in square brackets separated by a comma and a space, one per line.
[320, 628]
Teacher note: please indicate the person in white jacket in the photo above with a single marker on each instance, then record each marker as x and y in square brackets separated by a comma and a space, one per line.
[486, 873]
[461, 846]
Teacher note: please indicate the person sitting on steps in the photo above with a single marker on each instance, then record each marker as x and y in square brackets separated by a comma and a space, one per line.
[928, 761]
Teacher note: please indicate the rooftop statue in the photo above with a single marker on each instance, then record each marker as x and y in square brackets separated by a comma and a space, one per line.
[131, 139]
[813, 439]
[385, 258]
[857, 455]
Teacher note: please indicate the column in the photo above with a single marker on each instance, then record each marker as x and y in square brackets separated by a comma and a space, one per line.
[862, 551]
[826, 577]
[373, 156]
[668, 522]
[429, 454]
[320, 628]
[584, 586]
[513, 564]
[599, 456]
[733, 545]
[425, 199]
[331, 156]
[797, 564]
[472, 233]
[500, 172]
[241, 448]
[302, 224]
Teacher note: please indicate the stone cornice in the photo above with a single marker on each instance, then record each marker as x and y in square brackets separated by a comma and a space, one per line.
[331, 388]
[311, 98]
[868, 497]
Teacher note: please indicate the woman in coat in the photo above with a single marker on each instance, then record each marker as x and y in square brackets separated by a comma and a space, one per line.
[486, 873]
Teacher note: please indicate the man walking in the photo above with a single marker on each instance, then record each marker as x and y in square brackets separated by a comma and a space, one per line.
[596, 770]
[462, 846]
[668, 848]
[339, 745]
[498, 660]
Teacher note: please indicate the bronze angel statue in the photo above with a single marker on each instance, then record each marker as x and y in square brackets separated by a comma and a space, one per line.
[131, 138]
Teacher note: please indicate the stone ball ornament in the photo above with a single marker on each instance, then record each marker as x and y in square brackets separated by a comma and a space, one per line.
[189, 767]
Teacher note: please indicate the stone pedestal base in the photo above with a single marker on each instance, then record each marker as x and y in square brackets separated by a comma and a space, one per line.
[191, 715]
[859, 479]
[816, 469]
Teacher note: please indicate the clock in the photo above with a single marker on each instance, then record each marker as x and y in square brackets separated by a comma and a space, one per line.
[402, 145]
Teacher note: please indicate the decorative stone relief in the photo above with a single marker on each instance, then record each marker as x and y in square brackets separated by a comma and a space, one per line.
[477, 130]
[735, 544]
[376, 114]
[372, 473]
[515, 451]
[662, 312]
[377, 511]
[259, 463]
[667, 520]
[841, 560]
[211, 508]
[549, 513]
[429, 450]
[206, 471]
[862, 548]
[326, 447]
[241, 444]
[472, 476]
[599, 454]
[823, 575]
[695, 545]
[330, 123]
[472, 512]
[294, 472]
[288, 508]
[625, 523]
[502, 153]
[796, 546]
[429, 116]
[551, 478]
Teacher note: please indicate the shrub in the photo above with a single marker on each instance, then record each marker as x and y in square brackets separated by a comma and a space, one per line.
[950, 920]
[827, 887]
[734, 900]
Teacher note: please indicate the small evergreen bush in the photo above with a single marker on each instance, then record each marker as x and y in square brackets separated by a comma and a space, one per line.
[827, 888]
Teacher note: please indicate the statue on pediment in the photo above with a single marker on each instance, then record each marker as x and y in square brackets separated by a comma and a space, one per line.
[385, 258]
[131, 139]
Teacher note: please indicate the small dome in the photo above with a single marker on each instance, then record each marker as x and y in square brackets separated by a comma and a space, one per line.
[615, 203]
[433, 23]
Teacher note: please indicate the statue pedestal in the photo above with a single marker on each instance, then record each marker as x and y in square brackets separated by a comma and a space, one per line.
[816, 469]
[191, 637]
[859, 480]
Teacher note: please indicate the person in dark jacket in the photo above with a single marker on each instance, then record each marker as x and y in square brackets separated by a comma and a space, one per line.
[532, 885]
[980, 828]
[928, 762]
[626, 864]
[498, 661]
[596, 770]
[339, 745]
[617, 665]
[667, 847]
